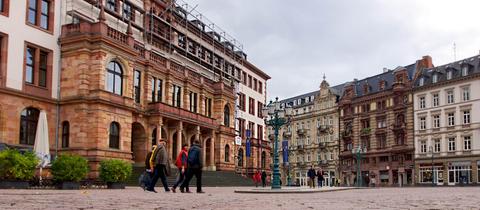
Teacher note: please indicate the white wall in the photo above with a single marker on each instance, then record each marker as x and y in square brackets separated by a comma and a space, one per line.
[19, 32]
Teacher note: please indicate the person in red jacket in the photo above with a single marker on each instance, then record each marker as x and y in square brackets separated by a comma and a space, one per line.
[257, 178]
[181, 164]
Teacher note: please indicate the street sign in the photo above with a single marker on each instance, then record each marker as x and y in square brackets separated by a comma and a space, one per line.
[238, 140]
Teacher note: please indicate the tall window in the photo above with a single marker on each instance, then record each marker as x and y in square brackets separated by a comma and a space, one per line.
[152, 82]
[451, 144]
[193, 102]
[466, 117]
[36, 66]
[2, 6]
[136, 86]
[421, 82]
[176, 96]
[114, 78]
[249, 81]
[422, 102]
[260, 133]
[450, 97]
[437, 146]
[435, 100]
[65, 134]
[264, 159]
[451, 119]
[423, 123]
[259, 109]
[42, 70]
[154, 136]
[240, 157]
[449, 74]
[260, 87]
[241, 101]
[436, 121]
[435, 78]
[466, 93]
[112, 5]
[114, 135]
[128, 13]
[40, 9]
[227, 153]
[208, 107]
[226, 116]
[423, 146]
[467, 143]
[382, 141]
[251, 106]
[465, 70]
[28, 125]
[30, 65]
[157, 89]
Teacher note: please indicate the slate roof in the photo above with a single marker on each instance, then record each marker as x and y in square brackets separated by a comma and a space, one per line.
[337, 90]
[473, 64]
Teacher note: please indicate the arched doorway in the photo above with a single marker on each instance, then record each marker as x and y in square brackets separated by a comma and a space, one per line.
[139, 143]
[207, 152]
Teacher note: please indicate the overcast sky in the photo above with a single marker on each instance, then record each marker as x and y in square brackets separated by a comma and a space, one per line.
[296, 42]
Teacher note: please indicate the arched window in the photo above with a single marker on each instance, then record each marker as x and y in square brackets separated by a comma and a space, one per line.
[227, 153]
[28, 125]
[65, 134]
[154, 137]
[240, 157]
[264, 159]
[114, 137]
[114, 78]
[226, 116]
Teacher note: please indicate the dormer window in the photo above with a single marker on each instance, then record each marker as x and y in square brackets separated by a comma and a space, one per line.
[366, 88]
[421, 82]
[449, 74]
[465, 70]
[435, 78]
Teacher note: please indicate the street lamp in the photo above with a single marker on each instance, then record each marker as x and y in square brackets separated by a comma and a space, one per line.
[358, 152]
[433, 174]
[276, 117]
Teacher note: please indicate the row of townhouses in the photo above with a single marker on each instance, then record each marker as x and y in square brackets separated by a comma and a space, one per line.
[415, 124]
[115, 76]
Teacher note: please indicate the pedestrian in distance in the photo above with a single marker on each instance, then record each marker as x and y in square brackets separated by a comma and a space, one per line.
[264, 179]
[320, 178]
[181, 163]
[194, 167]
[162, 167]
[257, 178]
[311, 177]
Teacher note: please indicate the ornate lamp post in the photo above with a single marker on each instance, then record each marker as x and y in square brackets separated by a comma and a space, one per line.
[276, 117]
[358, 152]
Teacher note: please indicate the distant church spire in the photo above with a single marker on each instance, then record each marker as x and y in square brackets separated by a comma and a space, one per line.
[324, 77]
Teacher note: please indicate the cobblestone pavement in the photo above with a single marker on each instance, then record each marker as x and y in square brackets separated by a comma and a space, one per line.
[225, 198]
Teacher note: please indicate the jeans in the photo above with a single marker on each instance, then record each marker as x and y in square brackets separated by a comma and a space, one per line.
[189, 175]
[180, 179]
[320, 183]
[159, 172]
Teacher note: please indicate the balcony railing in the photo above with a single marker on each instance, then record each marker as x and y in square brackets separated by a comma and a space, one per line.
[179, 113]
[322, 145]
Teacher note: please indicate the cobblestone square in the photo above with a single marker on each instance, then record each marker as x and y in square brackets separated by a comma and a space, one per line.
[225, 198]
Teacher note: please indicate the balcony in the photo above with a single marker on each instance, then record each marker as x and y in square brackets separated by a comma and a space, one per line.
[300, 147]
[322, 145]
[181, 114]
[287, 134]
[365, 131]
[399, 86]
[302, 131]
[323, 129]
[398, 126]
[98, 30]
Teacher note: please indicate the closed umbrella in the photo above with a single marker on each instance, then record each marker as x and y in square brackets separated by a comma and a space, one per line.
[41, 147]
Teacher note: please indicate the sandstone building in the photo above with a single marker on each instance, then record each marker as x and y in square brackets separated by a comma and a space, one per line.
[132, 72]
[447, 123]
[376, 116]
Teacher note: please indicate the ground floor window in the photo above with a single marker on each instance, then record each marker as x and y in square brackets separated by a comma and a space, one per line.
[460, 174]
[426, 175]
[478, 171]
[384, 177]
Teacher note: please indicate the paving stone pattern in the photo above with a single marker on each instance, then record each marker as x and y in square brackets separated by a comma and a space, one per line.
[225, 198]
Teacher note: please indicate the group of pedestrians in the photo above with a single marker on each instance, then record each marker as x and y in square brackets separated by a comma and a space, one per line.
[188, 163]
[311, 177]
[260, 177]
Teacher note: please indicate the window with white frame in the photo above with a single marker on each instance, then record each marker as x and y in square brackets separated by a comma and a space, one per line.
[466, 117]
[450, 97]
[449, 74]
[423, 123]
[465, 70]
[451, 144]
[451, 119]
[436, 145]
[423, 146]
[435, 78]
[422, 102]
[467, 143]
[436, 121]
[421, 82]
[435, 100]
[466, 93]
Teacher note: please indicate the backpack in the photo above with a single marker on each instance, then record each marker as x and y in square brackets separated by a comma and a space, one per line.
[144, 180]
[178, 162]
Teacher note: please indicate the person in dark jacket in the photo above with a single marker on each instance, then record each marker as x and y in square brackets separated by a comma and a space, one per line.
[194, 167]
[181, 164]
[161, 167]
[264, 179]
[320, 178]
[311, 177]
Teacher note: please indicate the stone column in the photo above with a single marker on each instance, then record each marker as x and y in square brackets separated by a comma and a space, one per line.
[179, 136]
[212, 151]
[197, 133]
[204, 153]
[159, 129]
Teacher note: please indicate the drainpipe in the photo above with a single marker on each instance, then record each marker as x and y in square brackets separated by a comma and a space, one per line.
[58, 83]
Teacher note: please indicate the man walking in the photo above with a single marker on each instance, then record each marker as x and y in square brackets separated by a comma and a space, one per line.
[311, 177]
[264, 179]
[181, 164]
[194, 167]
[320, 178]
[162, 167]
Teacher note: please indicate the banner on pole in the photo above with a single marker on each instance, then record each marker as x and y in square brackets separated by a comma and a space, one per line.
[285, 151]
[247, 148]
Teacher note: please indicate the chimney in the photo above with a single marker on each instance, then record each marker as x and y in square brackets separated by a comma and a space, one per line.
[385, 69]
[427, 61]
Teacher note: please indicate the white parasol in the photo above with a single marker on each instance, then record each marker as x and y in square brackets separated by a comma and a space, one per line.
[41, 147]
